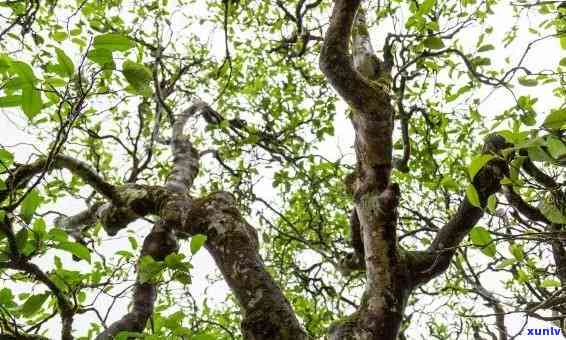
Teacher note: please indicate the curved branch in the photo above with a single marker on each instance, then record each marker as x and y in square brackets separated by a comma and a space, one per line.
[23, 173]
[67, 310]
[159, 243]
[436, 259]
[233, 244]
[336, 64]
[542, 178]
[523, 207]
[185, 156]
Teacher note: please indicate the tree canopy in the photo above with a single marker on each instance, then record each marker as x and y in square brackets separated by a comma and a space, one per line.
[340, 169]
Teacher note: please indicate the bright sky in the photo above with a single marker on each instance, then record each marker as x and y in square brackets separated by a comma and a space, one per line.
[21, 140]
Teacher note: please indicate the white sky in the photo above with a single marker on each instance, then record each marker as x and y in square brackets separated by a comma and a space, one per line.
[21, 141]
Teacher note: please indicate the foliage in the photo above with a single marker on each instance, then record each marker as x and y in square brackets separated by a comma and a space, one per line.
[103, 81]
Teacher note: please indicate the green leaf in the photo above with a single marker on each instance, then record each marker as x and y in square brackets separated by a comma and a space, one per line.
[481, 238]
[149, 269]
[22, 238]
[59, 36]
[10, 101]
[197, 241]
[6, 296]
[137, 75]
[29, 205]
[31, 97]
[102, 57]
[478, 163]
[57, 235]
[31, 101]
[522, 276]
[556, 147]
[517, 251]
[526, 81]
[182, 277]
[563, 62]
[506, 263]
[492, 203]
[434, 43]
[551, 212]
[113, 42]
[472, 195]
[537, 154]
[486, 48]
[65, 62]
[549, 283]
[425, 7]
[555, 120]
[516, 165]
[33, 304]
[76, 249]
[6, 159]
[203, 336]
[449, 184]
[479, 61]
[133, 242]
[25, 72]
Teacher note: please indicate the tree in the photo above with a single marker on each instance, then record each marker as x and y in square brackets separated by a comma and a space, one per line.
[451, 202]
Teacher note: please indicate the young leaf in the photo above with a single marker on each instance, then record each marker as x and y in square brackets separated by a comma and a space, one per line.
[549, 283]
[537, 154]
[31, 103]
[481, 238]
[197, 241]
[137, 75]
[486, 48]
[6, 159]
[29, 205]
[10, 101]
[102, 57]
[434, 43]
[76, 249]
[33, 304]
[149, 269]
[65, 62]
[555, 120]
[529, 82]
[113, 42]
[551, 212]
[556, 147]
[449, 184]
[473, 197]
[25, 72]
[517, 251]
[425, 7]
[491, 203]
[478, 163]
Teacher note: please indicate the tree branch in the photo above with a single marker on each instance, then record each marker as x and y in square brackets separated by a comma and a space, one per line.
[159, 243]
[185, 156]
[436, 259]
[233, 244]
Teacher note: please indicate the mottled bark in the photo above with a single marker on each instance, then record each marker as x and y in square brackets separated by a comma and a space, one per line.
[361, 80]
[233, 244]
